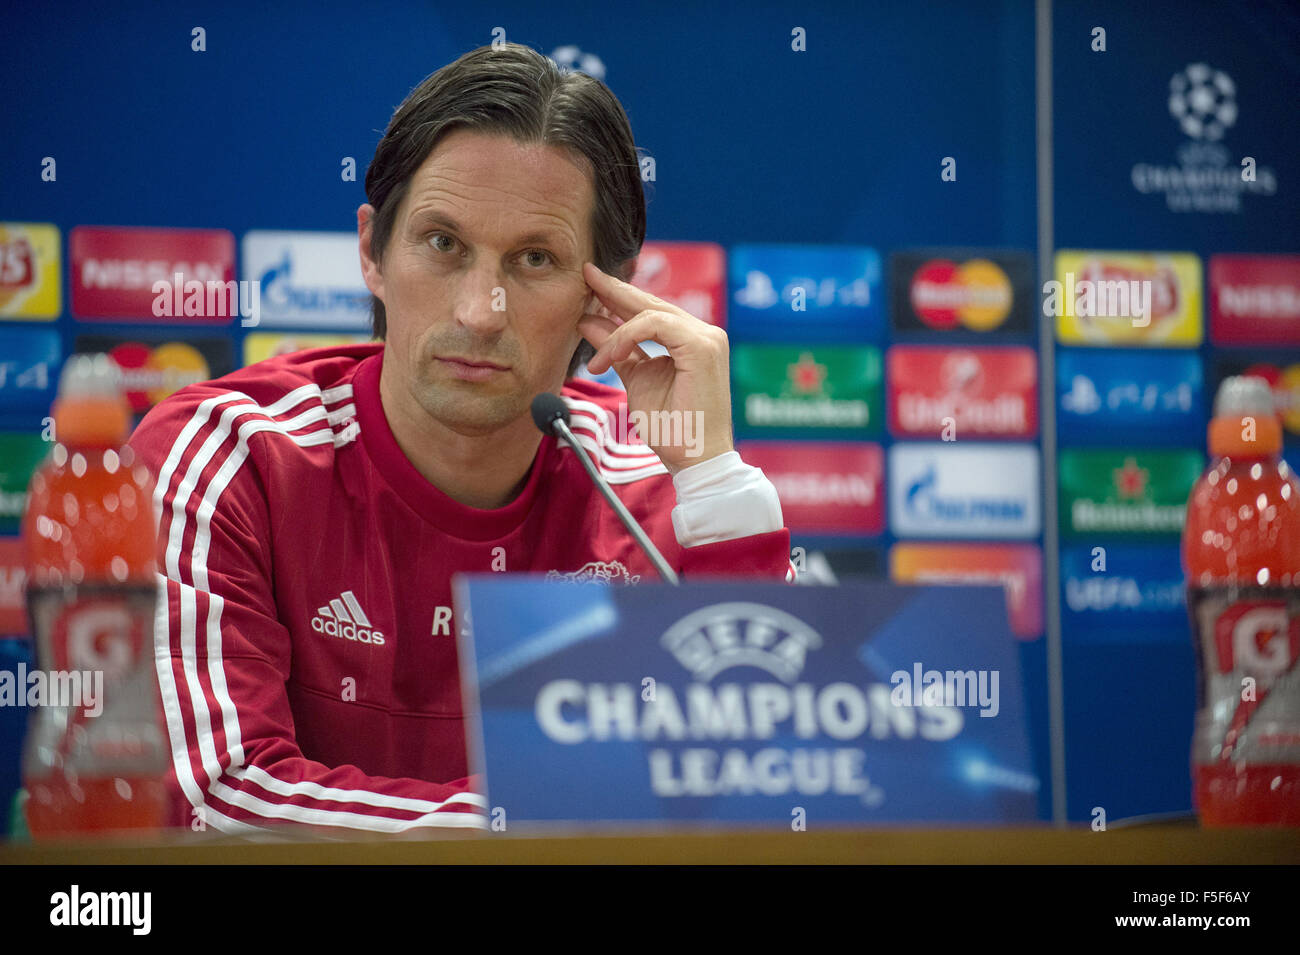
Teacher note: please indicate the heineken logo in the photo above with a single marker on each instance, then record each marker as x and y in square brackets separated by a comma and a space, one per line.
[766, 411]
[806, 375]
[1142, 517]
[782, 387]
[1131, 480]
[1126, 493]
[807, 404]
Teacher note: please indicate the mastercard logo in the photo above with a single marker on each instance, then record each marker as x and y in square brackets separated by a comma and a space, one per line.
[152, 374]
[976, 294]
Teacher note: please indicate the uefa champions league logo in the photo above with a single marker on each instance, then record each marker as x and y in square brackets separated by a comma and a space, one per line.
[1208, 177]
[1203, 101]
[739, 633]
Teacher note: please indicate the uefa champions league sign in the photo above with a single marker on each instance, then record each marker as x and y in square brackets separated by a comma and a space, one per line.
[743, 702]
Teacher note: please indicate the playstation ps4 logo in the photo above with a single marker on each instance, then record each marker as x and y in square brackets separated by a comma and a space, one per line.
[717, 638]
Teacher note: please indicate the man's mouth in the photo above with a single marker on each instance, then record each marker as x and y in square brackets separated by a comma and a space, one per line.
[469, 369]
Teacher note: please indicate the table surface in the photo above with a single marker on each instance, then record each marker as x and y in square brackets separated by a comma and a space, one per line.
[1161, 844]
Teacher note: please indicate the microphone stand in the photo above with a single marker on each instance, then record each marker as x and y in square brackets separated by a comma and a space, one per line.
[656, 558]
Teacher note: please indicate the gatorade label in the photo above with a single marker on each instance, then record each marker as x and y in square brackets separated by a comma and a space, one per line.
[97, 689]
[1248, 642]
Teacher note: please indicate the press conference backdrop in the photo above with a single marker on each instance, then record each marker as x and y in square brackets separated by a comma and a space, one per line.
[851, 190]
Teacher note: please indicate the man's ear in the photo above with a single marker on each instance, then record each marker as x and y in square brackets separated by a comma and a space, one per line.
[369, 267]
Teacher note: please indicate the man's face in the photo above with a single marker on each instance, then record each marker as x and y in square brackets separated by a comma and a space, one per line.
[482, 279]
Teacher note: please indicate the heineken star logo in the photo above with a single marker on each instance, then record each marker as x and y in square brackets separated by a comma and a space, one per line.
[1131, 480]
[806, 375]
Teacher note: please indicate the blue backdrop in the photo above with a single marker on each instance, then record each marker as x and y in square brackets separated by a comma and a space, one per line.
[753, 143]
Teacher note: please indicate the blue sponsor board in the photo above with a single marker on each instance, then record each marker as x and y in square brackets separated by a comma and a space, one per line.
[1111, 396]
[805, 293]
[743, 702]
[972, 490]
[29, 370]
[14, 654]
[1111, 589]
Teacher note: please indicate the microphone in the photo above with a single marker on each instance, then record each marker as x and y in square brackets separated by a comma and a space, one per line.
[551, 415]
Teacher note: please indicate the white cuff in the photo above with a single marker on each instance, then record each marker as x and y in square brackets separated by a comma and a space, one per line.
[722, 499]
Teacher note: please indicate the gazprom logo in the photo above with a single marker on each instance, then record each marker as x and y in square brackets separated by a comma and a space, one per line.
[717, 638]
[923, 499]
[286, 295]
[980, 491]
[307, 278]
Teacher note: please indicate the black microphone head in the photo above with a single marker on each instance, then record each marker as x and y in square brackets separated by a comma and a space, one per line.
[546, 409]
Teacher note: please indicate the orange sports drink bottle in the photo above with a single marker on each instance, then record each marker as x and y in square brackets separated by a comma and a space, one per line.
[96, 756]
[1241, 551]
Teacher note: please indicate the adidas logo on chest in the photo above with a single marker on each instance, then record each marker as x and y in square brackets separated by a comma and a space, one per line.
[343, 617]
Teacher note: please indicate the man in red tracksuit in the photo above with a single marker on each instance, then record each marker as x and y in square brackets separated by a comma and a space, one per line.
[314, 507]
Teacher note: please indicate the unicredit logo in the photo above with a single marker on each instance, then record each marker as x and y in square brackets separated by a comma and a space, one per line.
[343, 617]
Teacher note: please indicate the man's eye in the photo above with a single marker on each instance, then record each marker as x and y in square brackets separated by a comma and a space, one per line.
[443, 236]
[545, 257]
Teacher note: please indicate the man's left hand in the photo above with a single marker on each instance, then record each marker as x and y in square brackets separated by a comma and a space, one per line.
[689, 387]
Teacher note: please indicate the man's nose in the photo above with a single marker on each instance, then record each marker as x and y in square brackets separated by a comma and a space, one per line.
[481, 299]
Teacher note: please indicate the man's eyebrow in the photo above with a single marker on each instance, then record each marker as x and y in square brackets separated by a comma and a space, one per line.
[430, 217]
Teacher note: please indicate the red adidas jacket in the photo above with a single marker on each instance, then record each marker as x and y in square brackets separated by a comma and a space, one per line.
[304, 641]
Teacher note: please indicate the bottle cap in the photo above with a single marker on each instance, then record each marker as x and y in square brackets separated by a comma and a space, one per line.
[1245, 423]
[1244, 394]
[90, 376]
[91, 407]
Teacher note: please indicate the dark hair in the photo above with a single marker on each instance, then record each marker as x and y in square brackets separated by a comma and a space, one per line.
[515, 91]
